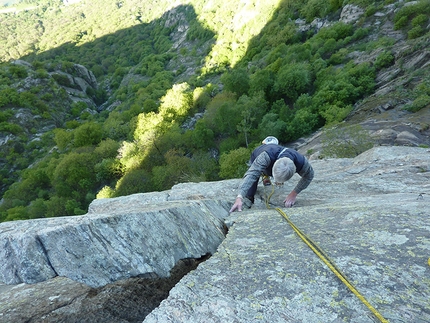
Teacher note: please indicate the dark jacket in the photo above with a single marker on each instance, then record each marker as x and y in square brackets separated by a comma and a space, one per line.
[275, 152]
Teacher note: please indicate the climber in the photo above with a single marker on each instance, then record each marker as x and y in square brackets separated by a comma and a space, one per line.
[271, 159]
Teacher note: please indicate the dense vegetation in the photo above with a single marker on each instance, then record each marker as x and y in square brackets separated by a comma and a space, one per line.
[184, 93]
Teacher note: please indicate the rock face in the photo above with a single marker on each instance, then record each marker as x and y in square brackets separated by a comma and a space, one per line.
[351, 13]
[100, 248]
[369, 214]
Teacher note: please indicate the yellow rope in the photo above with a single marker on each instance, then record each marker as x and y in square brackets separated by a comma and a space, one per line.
[322, 255]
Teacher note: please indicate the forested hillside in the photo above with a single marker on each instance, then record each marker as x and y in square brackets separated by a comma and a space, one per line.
[106, 98]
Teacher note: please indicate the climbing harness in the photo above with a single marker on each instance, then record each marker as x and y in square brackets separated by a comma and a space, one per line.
[323, 256]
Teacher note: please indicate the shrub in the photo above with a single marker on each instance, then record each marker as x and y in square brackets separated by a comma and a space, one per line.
[271, 125]
[334, 113]
[63, 79]
[55, 206]
[236, 81]
[42, 74]
[315, 9]
[37, 209]
[134, 181]
[416, 14]
[62, 138]
[88, 134]
[202, 137]
[221, 115]
[303, 123]
[105, 192]
[16, 213]
[204, 168]
[234, 163]
[370, 10]
[108, 169]
[77, 108]
[420, 21]
[360, 33]
[10, 128]
[18, 71]
[293, 80]
[384, 59]
[176, 169]
[338, 57]
[337, 31]
[8, 96]
[229, 144]
[401, 23]
[107, 148]
[150, 105]
[75, 175]
[416, 32]
[262, 80]
[419, 103]
[197, 32]
[72, 206]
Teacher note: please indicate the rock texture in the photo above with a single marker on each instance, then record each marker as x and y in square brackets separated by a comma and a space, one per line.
[100, 248]
[369, 214]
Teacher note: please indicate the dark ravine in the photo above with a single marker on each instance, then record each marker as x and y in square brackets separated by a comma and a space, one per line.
[63, 300]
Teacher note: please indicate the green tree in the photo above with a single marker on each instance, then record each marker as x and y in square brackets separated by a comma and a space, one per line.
[134, 181]
[236, 81]
[272, 125]
[37, 209]
[56, 206]
[75, 176]
[262, 80]
[107, 148]
[16, 213]
[202, 136]
[178, 168]
[222, 116]
[252, 110]
[293, 80]
[234, 163]
[63, 138]
[88, 134]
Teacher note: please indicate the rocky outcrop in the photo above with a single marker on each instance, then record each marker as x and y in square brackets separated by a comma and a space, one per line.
[351, 13]
[369, 214]
[84, 75]
[100, 248]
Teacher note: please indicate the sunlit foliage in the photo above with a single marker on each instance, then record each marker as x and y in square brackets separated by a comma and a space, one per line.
[183, 93]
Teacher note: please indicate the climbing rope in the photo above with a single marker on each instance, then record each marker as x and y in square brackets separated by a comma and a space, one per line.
[323, 256]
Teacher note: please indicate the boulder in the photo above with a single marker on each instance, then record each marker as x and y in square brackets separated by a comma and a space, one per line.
[351, 13]
[385, 136]
[407, 139]
[85, 75]
[100, 248]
